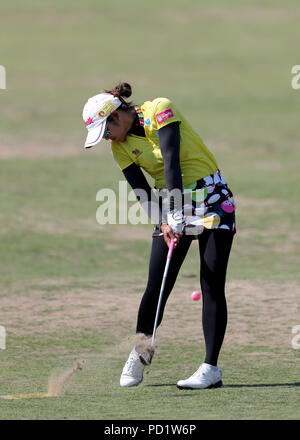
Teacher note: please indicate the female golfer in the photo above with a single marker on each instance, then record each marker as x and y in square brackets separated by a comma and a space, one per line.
[157, 138]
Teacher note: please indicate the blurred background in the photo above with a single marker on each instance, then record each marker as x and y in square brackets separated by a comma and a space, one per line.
[226, 65]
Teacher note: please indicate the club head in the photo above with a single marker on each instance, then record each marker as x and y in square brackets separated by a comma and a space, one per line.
[146, 358]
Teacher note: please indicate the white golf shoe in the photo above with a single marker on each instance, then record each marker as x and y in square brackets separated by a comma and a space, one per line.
[206, 376]
[132, 374]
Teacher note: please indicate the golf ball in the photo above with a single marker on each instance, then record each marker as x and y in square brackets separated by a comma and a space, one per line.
[196, 295]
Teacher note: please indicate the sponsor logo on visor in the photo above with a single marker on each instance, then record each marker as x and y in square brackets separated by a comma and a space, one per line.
[106, 109]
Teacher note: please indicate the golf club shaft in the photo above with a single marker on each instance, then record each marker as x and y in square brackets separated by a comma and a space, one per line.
[171, 248]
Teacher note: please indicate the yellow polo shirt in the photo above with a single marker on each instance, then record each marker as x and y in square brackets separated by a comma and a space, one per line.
[196, 161]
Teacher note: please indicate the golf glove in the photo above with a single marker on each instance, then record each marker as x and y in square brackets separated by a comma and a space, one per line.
[175, 220]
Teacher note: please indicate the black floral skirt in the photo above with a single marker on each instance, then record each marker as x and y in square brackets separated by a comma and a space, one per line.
[208, 203]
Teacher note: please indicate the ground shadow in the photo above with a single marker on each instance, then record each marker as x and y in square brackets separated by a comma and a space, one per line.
[258, 385]
[241, 385]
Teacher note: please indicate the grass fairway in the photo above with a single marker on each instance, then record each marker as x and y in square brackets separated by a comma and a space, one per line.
[69, 287]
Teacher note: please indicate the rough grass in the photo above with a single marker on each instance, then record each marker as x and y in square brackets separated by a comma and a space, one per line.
[49, 329]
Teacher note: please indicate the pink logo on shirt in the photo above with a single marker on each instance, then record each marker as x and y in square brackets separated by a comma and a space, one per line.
[163, 116]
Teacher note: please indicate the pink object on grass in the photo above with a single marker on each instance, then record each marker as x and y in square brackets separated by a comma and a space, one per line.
[196, 295]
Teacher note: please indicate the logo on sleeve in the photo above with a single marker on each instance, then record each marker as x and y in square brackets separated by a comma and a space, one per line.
[163, 116]
[137, 152]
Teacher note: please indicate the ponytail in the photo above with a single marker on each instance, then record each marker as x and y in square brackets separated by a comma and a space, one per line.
[120, 91]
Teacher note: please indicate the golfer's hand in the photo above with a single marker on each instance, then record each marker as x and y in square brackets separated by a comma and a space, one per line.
[170, 235]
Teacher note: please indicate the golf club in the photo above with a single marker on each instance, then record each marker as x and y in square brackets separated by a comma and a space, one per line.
[146, 358]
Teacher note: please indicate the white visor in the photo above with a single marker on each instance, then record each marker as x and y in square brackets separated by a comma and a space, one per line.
[95, 114]
[95, 135]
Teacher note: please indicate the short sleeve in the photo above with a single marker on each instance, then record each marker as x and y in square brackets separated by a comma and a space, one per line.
[120, 156]
[165, 113]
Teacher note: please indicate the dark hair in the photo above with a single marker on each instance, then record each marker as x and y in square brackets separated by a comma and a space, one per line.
[120, 91]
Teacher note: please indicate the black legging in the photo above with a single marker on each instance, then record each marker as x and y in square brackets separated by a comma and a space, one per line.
[214, 248]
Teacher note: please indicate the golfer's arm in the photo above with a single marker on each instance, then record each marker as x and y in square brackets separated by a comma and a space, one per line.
[143, 191]
[169, 138]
